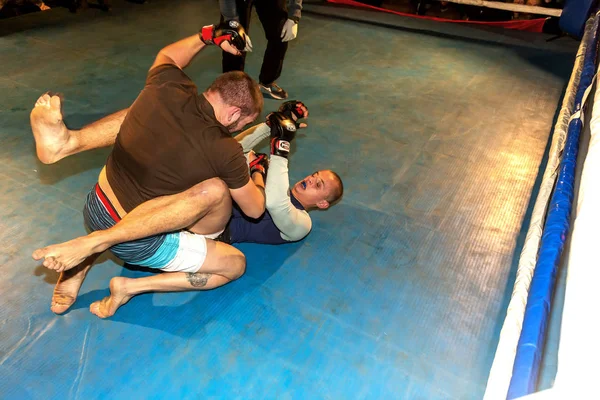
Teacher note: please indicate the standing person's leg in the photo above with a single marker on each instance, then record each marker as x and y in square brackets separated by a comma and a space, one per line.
[230, 61]
[272, 15]
[54, 141]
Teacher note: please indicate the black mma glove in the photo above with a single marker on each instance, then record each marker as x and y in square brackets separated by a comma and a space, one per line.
[260, 164]
[283, 131]
[228, 31]
[293, 110]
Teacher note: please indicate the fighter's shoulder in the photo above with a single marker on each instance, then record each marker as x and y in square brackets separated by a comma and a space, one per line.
[166, 72]
[223, 144]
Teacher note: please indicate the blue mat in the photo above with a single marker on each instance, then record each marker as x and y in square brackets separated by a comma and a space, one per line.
[399, 292]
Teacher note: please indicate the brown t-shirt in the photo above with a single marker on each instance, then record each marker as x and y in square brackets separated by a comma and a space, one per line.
[170, 141]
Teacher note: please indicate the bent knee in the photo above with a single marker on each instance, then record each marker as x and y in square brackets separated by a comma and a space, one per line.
[238, 264]
[213, 189]
[215, 184]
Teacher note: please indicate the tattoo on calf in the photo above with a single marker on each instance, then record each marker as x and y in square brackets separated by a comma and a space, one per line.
[196, 279]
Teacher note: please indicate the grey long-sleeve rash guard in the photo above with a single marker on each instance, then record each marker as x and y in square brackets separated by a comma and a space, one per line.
[293, 223]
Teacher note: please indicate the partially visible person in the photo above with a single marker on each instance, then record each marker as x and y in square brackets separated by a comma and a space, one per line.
[279, 20]
[19, 7]
[286, 219]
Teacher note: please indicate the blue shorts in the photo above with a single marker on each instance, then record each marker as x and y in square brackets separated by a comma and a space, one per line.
[182, 251]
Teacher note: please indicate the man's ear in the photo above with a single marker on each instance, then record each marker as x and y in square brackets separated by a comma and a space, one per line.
[323, 204]
[233, 114]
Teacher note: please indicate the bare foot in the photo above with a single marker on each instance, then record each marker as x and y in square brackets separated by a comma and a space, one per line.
[118, 296]
[67, 288]
[50, 133]
[64, 256]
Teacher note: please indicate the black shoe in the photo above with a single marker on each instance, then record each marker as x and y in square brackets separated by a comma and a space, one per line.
[274, 91]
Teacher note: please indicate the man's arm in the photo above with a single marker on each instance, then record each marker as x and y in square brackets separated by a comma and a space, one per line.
[104, 132]
[179, 53]
[249, 138]
[232, 39]
[294, 224]
[290, 27]
[252, 136]
[251, 196]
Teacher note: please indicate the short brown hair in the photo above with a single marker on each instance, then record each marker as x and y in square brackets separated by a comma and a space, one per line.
[338, 190]
[238, 89]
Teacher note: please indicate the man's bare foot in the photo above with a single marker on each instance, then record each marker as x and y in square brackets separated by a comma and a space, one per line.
[64, 256]
[118, 296]
[50, 133]
[67, 287]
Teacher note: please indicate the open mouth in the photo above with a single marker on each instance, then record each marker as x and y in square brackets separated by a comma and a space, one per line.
[303, 184]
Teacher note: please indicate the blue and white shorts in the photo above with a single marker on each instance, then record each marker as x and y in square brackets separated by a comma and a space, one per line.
[181, 251]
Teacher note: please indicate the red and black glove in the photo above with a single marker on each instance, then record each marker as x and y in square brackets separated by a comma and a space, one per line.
[228, 31]
[283, 131]
[260, 164]
[293, 110]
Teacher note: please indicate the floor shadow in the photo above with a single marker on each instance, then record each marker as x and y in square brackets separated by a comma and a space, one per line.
[202, 307]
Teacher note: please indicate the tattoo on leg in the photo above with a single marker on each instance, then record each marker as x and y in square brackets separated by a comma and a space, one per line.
[196, 279]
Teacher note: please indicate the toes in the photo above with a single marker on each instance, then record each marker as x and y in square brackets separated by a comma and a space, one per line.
[38, 254]
[52, 263]
[58, 266]
[43, 100]
[49, 99]
[95, 309]
[55, 102]
[48, 262]
[61, 306]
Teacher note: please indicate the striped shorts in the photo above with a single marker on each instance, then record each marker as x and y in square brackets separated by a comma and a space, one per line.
[181, 251]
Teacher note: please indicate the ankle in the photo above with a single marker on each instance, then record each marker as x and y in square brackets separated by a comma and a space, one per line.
[62, 148]
[124, 287]
[119, 284]
[71, 145]
[99, 241]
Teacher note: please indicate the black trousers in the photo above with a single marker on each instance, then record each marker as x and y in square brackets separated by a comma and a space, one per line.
[272, 15]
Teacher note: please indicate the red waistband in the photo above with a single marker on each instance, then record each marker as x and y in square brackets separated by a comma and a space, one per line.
[107, 204]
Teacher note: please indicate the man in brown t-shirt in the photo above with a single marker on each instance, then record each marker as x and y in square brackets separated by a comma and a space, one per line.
[175, 162]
